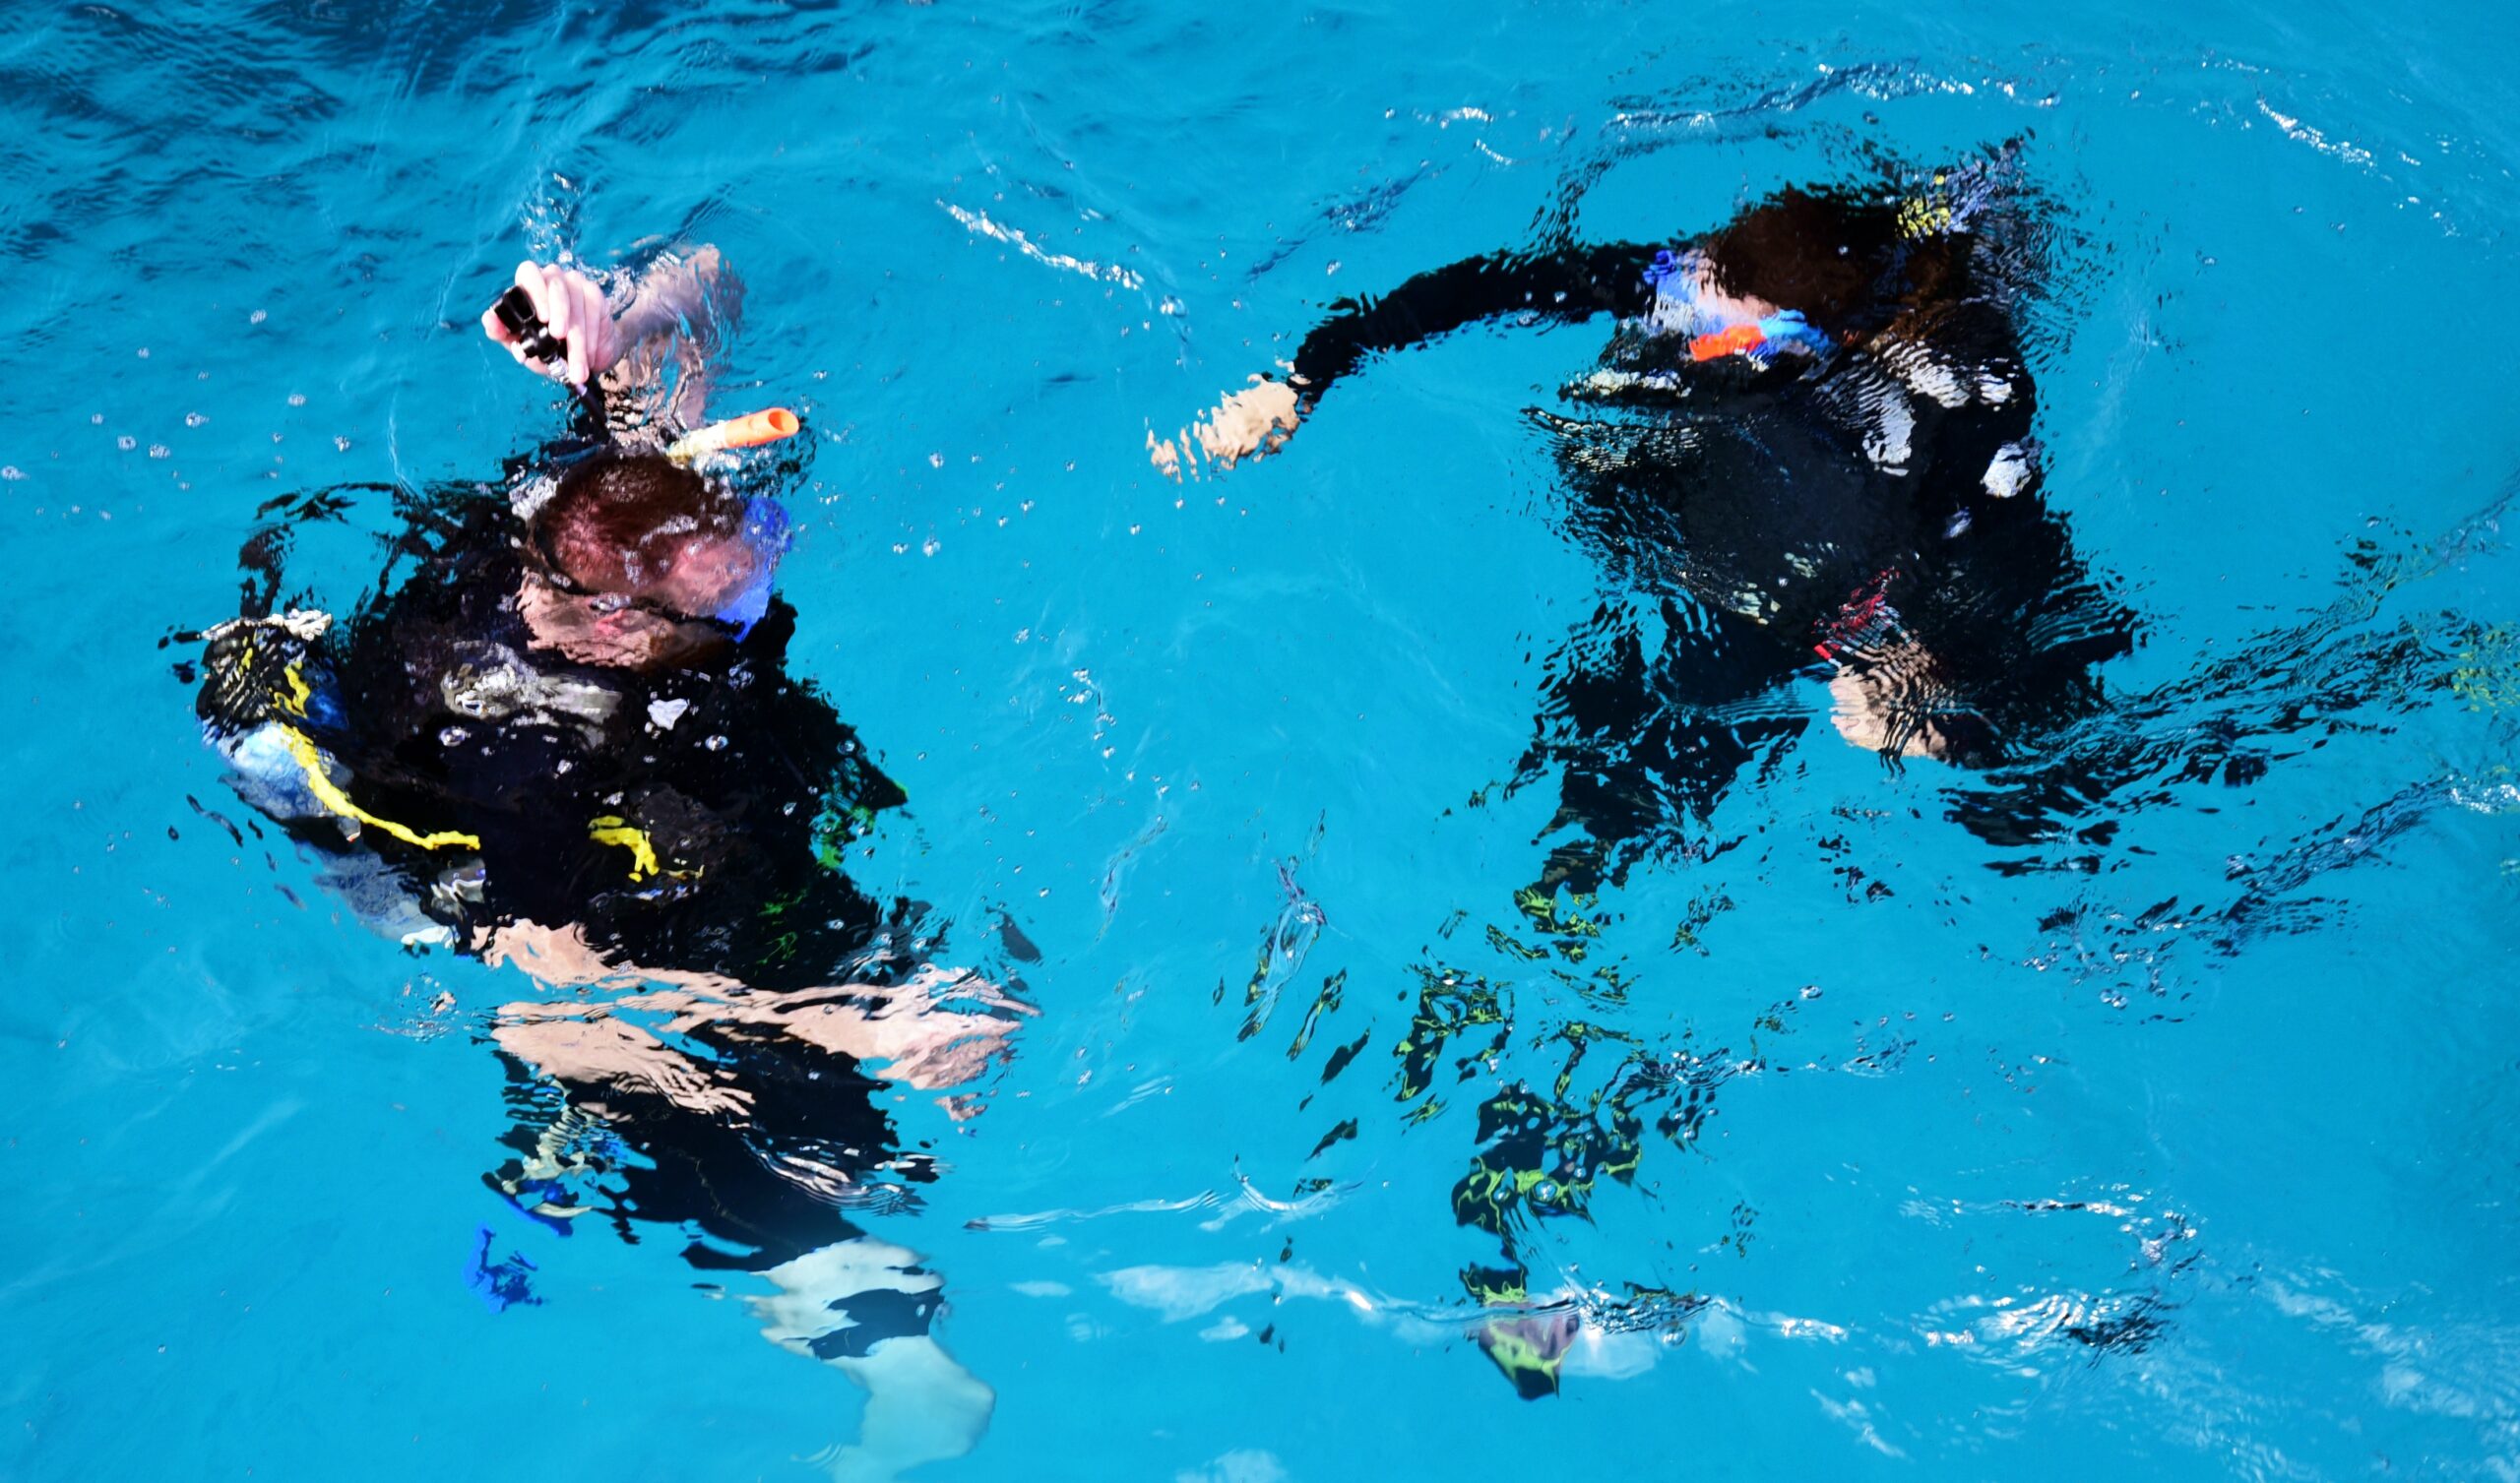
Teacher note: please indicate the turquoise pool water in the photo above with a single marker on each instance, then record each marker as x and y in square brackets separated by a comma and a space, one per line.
[2174, 1138]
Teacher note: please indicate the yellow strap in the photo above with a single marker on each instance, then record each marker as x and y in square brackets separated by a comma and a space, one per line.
[612, 828]
[311, 757]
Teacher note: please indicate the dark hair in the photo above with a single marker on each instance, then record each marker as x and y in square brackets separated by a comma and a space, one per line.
[617, 522]
[1825, 254]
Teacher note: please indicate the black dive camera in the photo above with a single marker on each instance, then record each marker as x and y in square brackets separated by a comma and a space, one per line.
[514, 309]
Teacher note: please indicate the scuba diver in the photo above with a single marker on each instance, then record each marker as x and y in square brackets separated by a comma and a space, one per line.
[1806, 452]
[560, 734]
[1807, 455]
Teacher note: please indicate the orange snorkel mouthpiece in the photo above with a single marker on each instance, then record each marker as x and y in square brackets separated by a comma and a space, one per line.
[740, 432]
[1731, 342]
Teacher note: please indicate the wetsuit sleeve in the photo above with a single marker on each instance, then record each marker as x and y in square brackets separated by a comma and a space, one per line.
[1563, 287]
[270, 708]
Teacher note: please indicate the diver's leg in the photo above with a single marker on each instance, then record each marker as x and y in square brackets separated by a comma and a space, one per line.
[865, 1306]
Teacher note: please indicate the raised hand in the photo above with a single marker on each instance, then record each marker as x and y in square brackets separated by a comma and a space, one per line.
[572, 307]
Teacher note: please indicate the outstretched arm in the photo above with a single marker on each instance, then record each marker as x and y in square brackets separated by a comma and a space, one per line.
[1563, 287]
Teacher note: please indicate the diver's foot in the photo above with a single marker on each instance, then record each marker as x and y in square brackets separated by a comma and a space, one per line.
[1529, 1348]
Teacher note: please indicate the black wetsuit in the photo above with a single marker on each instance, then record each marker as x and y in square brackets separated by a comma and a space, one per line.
[690, 820]
[1769, 515]
[687, 819]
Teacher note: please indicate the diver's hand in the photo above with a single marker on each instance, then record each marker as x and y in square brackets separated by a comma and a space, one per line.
[572, 307]
[1895, 700]
[1250, 423]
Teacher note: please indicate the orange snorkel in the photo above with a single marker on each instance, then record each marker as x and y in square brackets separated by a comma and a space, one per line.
[1735, 341]
[741, 432]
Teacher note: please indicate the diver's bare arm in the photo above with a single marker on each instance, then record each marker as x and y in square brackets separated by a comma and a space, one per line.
[934, 1033]
[672, 326]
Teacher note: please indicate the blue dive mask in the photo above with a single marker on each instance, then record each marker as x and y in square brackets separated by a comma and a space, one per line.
[766, 533]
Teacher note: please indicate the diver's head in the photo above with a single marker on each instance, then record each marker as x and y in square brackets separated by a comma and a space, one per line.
[1822, 254]
[642, 526]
